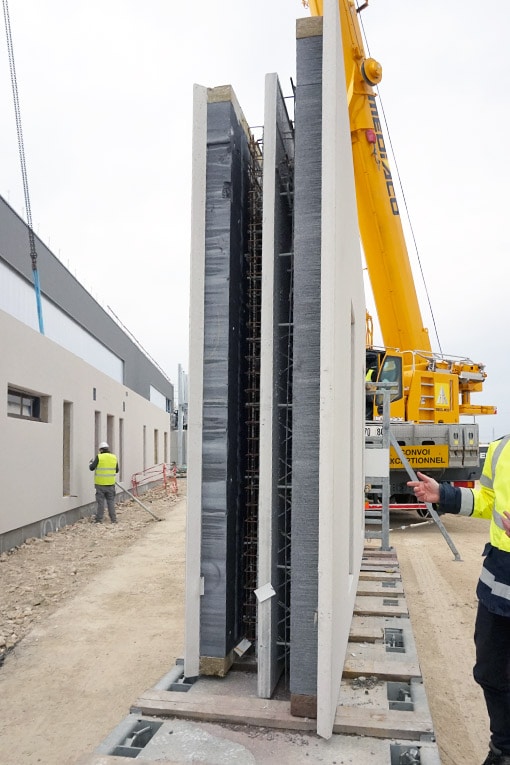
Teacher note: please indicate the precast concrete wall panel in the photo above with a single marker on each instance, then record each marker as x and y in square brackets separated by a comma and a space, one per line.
[310, 511]
[306, 374]
[275, 384]
[196, 378]
[226, 179]
[341, 515]
[329, 329]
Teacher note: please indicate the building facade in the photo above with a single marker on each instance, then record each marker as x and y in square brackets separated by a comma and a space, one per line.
[84, 381]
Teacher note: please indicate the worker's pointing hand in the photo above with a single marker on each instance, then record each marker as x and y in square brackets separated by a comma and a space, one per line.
[427, 489]
[506, 522]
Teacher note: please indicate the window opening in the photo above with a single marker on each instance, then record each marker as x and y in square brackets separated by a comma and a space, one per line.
[97, 431]
[110, 431]
[66, 448]
[27, 406]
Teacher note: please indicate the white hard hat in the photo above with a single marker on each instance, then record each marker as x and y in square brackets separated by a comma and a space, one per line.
[103, 445]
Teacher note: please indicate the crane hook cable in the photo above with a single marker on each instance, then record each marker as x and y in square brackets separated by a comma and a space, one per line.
[21, 149]
[403, 197]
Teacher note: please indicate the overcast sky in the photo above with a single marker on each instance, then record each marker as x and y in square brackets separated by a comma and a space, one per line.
[105, 90]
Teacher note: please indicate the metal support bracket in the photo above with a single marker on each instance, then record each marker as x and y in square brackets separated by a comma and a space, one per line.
[431, 510]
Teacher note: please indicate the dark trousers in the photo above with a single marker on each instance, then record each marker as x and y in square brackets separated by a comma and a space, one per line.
[105, 494]
[492, 672]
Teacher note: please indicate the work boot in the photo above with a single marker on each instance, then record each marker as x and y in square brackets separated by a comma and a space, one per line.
[98, 520]
[495, 757]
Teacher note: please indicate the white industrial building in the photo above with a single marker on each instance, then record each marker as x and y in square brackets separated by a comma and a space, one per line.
[81, 382]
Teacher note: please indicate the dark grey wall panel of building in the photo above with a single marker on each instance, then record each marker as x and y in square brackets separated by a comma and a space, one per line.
[61, 287]
[222, 431]
[307, 306]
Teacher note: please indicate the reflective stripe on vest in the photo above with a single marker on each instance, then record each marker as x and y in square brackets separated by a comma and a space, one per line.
[495, 457]
[106, 469]
[499, 536]
[497, 588]
[498, 519]
[485, 481]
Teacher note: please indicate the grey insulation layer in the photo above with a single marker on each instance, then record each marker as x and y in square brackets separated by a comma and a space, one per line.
[306, 376]
[225, 233]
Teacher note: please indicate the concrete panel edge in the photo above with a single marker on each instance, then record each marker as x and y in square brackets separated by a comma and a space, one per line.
[196, 350]
[265, 532]
[309, 27]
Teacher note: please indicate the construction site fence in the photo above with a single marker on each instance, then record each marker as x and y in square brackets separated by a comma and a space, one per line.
[156, 474]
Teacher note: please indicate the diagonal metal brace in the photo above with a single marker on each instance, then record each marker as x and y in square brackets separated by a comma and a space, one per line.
[137, 500]
[431, 510]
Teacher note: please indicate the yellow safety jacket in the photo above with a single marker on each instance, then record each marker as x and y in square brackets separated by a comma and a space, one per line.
[493, 496]
[489, 501]
[106, 469]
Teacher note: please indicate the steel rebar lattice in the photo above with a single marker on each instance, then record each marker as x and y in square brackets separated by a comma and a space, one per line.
[284, 366]
[284, 339]
[252, 390]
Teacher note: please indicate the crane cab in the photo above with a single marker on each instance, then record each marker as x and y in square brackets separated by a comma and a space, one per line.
[385, 366]
[427, 389]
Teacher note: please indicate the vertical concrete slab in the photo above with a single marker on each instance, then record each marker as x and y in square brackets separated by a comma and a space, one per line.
[195, 388]
[342, 365]
[329, 317]
[275, 409]
[306, 391]
[218, 427]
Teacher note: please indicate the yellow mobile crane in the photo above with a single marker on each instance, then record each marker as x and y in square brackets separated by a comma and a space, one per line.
[433, 391]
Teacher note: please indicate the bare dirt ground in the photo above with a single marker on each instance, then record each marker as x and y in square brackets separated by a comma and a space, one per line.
[93, 617]
[440, 594]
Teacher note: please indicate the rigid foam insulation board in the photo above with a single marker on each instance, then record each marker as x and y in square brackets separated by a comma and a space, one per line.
[216, 415]
[329, 330]
[306, 373]
[275, 384]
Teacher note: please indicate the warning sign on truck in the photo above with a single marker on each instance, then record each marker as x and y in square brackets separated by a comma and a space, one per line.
[421, 457]
[442, 395]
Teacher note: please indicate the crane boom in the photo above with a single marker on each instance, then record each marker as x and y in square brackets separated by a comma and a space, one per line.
[433, 388]
[388, 265]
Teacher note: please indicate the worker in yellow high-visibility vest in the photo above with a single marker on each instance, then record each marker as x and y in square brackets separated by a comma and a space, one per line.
[370, 376]
[492, 627]
[105, 466]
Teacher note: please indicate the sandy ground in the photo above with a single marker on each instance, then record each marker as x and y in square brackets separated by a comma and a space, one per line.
[116, 629]
[97, 618]
[440, 594]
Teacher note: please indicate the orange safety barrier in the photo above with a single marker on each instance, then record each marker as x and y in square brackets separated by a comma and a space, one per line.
[172, 477]
[162, 473]
[398, 506]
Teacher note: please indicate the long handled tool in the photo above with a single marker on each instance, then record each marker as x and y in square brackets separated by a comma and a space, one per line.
[435, 517]
[137, 500]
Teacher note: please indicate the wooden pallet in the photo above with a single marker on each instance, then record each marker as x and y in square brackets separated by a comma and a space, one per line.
[380, 621]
